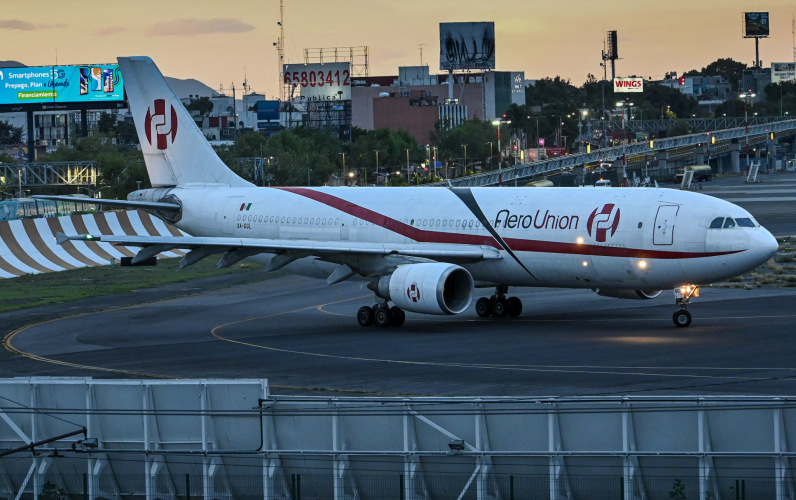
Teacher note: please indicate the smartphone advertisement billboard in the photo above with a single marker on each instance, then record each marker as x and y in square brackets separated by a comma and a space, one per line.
[45, 88]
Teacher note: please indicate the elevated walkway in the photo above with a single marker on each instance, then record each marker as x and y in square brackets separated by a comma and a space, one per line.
[756, 134]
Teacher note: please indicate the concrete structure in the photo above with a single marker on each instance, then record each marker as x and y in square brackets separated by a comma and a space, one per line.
[233, 439]
[28, 246]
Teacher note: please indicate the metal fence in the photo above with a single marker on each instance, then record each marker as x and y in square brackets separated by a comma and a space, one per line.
[388, 486]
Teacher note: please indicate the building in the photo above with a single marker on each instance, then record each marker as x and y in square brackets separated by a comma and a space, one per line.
[415, 100]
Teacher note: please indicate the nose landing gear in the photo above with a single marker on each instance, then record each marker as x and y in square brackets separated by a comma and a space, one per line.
[682, 296]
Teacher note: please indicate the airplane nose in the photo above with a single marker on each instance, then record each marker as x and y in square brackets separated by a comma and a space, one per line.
[763, 245]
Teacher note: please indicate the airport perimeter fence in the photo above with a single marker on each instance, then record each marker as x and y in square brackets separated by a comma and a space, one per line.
[384, 487]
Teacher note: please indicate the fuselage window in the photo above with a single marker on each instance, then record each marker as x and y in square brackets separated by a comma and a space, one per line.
[238, 216]
[306, 220]
[282, 220]
[260, 219]
[458, 222]
[470, 224]
[729, 222]
[336, 222]
[745, 222]
[640, 224]
[312, 220]
[450, 221]
[444, 222]
[717, 223]
[437, 222]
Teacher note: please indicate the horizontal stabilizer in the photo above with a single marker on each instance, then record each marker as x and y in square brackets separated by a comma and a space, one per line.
[151, 205]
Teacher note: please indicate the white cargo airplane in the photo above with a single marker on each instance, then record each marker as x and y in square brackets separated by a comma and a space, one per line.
[426, 249]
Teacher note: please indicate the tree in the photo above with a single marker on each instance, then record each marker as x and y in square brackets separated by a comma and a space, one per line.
[730, 70]
[106, 123]
[202, 105]
[9, 134]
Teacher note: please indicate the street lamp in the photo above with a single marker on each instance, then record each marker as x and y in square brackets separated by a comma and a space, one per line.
[498, 123]
[746, 96]
[623, 104]
[378, 172]
[408, 182]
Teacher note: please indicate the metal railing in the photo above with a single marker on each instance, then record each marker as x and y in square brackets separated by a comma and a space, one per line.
[755, 134]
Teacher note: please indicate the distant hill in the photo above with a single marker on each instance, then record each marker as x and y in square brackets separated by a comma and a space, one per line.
[11, 64]
[188, 87]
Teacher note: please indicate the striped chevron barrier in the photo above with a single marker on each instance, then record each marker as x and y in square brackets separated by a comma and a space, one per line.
[28, 246]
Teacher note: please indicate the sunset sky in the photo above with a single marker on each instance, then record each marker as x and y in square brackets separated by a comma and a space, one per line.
[214, 41]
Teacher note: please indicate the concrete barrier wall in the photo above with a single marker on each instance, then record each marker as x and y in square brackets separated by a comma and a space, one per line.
[28, 246]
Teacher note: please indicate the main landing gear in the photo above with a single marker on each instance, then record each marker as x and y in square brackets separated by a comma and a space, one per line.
[682, 295]
[381, 315]
[498, 305]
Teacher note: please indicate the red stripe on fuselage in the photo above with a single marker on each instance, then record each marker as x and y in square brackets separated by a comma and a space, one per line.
[515, 244]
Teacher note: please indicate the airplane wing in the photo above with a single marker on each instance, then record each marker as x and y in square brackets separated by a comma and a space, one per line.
[236, 249]
[152, 205]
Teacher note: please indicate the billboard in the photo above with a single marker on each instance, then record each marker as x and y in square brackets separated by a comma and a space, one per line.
[783, 72]
[466, 46]
[45, 88]
[755, 24]
[628, 85]
[319, 82]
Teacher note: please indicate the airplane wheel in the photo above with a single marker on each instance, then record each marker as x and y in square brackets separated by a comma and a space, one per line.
[483, 307]
[365, 316]
[381, 317]
[515, 307]
[500, 308]
[397, 316]
[682, 318]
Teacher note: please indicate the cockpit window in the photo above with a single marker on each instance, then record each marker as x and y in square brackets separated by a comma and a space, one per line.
[745, 222]
[717, 223]
[729, 222]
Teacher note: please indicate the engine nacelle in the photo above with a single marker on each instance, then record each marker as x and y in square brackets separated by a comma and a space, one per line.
[429, 288]
[628, 294]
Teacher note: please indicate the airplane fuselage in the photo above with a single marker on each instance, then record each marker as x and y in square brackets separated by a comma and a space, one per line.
[630, 238]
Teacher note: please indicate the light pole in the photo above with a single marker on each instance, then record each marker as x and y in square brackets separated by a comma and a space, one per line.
[746, 96]
[377, 166]
[465, 159]
[498, 123]
[622, 104]
[408, 179]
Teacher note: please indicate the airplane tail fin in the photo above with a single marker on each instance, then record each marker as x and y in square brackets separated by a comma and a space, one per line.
[175, 151]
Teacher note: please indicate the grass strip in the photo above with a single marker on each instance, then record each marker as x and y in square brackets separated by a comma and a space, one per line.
[34, 290]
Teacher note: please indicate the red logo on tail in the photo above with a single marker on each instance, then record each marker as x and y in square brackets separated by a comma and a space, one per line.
[603, 222]
[164, 126]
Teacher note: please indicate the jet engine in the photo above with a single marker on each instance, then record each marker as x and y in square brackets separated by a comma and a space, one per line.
[429, 288]
[628, 294]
